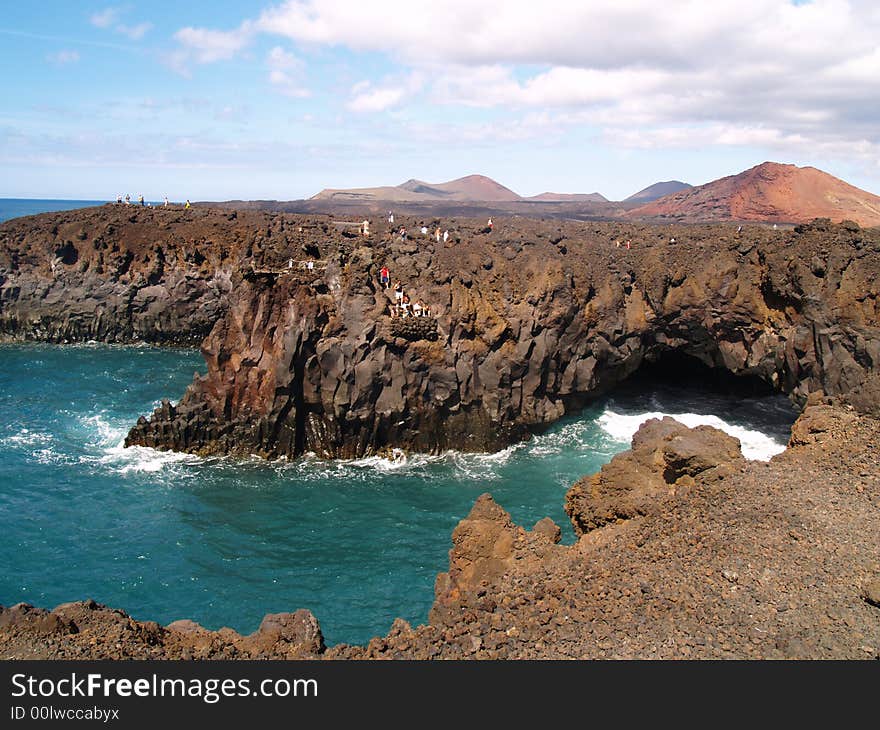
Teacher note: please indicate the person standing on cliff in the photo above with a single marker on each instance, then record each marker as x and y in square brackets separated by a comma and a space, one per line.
[166, 201]
[489, 225]
[385, 277]
[390, 217]
[445, 236]
[141, 200]
[127, 199]
[398, 292]
[437, 234]
[188, 205]
[365, 227]
[118, 199]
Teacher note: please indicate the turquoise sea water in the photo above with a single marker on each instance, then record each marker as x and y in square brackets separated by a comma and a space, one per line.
[223, 542]
[16, 207]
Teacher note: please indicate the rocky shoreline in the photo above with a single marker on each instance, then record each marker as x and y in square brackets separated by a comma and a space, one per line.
[685, 548]
[686, 551]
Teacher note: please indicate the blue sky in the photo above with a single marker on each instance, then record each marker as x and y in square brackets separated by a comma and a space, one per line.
[219, 100]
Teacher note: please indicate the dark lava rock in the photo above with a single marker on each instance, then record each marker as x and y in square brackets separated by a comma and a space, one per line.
[301, 360]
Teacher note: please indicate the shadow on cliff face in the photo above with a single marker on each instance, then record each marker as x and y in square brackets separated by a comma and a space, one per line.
[677, 383]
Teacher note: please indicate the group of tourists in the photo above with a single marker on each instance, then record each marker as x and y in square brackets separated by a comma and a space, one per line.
[306, 265]
[403, 306]
[402, 233]
[120, 200]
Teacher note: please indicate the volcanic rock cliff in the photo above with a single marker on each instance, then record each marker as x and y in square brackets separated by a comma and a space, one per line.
[119, 274]
[528, 321]
[532, 320]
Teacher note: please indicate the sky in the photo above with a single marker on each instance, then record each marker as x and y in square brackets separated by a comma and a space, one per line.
[277, 100]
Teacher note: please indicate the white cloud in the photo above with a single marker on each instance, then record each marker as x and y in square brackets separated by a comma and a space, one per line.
[206, 46]
[730, 72]
[287, 85]
[375, 100]
[105, 18]
[280, 59]
[369, 98]
[109, 19]
[285, 73]
[135, 32]
[63, 57]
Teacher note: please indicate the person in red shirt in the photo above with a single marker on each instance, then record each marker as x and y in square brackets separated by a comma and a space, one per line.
[385, 276]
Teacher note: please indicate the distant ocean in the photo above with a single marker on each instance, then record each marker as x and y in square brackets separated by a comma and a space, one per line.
[17, 207]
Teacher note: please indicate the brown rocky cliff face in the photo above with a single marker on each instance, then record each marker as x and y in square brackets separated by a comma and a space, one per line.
[120, 273]
[533, 321]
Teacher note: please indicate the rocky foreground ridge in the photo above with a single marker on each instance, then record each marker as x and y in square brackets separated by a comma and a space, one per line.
[686, 551]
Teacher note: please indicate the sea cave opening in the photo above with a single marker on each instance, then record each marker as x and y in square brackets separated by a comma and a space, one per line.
[677, 384]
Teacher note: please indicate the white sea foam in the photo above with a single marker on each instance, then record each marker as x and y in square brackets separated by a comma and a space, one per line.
[755, 445]
[25, 437]
[112, 452]
[398, 460]
[142, 459]
[464, 465]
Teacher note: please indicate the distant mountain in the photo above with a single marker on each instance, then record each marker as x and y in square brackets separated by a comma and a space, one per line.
[657, 190]
[568, 198]
[768, 192]
[473, 188]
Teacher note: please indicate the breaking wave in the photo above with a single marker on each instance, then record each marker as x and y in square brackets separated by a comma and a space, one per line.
[755, 444]
[108, 443]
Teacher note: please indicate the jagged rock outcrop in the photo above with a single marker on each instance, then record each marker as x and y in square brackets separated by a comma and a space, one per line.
[89, 629]
[748, 560]
[666, 457]
[485, 545]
